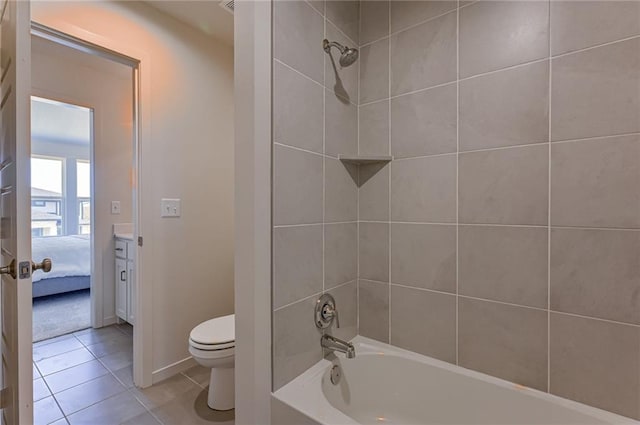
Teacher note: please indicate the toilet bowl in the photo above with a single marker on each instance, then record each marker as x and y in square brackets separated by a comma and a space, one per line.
[212, 345]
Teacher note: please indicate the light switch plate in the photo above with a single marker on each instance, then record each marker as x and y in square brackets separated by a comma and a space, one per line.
[170, 207]
[115, 207]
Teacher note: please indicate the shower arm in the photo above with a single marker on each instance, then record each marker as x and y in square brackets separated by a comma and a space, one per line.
[327, 45]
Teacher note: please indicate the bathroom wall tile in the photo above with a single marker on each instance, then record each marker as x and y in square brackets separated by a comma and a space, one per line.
[596, 273]
[504, 264]
[340, 253]
[424, 322]
[579, 24]
[374, 71]
[424, 189]
[297, 187]
[595, 183]
[505, 186]
[341, 191]
[424, 123]
[346, 297]
[374, 20]
[595, 92]
[345, 14]
[596, 363]
[373, 196]
[342, 81]
[374, 128]
[297, 263]
[505, 108]
[424, 256]
[407, 13]
[340, 126]
[424, 56]
[505, 341]
[296, 341]
[318, 5]
[297, 110]
[373, 308]
[498, 34]
[374, 251]
[296, 31]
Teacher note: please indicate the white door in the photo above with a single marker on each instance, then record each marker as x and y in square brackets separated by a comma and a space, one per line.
[15, 212]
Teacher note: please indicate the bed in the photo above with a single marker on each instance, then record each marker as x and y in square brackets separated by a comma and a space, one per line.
[71, 270]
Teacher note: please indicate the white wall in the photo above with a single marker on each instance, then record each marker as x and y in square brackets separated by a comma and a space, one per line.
[188, 261]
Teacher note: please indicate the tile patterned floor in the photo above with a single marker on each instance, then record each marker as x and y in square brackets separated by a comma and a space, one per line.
[86, 378]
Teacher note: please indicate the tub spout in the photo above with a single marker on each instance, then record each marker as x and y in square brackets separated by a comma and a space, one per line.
[334, 344]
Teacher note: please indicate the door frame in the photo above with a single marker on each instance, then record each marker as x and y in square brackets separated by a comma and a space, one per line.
[94, 44]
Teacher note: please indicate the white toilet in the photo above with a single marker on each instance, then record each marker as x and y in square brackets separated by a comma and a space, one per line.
[212, 344]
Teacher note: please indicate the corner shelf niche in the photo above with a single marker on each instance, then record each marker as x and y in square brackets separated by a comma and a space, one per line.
[365, 159]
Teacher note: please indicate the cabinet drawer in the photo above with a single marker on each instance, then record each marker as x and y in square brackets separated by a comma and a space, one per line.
[121, 248]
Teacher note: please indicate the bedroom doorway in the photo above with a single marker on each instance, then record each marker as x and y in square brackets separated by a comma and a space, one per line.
[61, 225]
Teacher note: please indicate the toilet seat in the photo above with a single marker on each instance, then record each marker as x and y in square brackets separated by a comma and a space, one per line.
[214, 334]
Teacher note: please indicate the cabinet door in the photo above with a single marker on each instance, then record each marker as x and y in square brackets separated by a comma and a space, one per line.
[132, 289]
[121, 288]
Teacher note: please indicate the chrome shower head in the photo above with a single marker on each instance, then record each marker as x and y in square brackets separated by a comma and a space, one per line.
[348, 55]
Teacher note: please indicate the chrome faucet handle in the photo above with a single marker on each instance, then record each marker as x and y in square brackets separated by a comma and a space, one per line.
[325, 311]
[329, 312]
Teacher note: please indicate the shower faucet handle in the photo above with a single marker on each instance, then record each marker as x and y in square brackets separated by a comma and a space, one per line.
[325, 311]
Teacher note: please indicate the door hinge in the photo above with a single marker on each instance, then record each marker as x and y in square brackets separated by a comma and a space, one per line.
[139, 240]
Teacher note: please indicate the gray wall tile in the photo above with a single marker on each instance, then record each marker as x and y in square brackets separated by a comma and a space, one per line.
[595, 92]
[374, 20]
[296, 341]
[498, 34]
[424, 189]
[297, 110]
[373, 195]
[505, 186]
[346, 297]
[505, 108]
[373, 308]
[505, 341]
[594, 183]
[297, 186]
[340, 126]
[374, 71]
[424, 322]
[297, 29]
[596, 363]
[345, 14]
[424, 56]
[340, 253]
[407, 13]
[579, 24]
[504, 264]
[341, 191]
[342, 81]
[374, 128]
[596, 273]
[424, 256]
[297, 263]
[424, 123]
[374, 251]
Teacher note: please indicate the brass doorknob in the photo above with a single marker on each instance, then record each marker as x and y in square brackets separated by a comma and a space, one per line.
[10, 269]
[45, 265]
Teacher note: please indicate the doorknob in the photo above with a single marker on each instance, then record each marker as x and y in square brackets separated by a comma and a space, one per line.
[10, 269]
[45, 265]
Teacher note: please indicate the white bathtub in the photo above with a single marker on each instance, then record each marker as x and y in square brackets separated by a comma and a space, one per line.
[384, 384]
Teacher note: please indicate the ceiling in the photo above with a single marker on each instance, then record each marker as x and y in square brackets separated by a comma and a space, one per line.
[206, 16]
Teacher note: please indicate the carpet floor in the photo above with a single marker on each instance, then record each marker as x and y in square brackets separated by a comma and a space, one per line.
[61, 314]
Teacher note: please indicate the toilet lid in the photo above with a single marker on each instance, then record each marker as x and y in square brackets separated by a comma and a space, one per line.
[218, 331]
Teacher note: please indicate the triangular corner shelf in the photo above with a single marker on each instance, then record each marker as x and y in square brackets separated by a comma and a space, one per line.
[365, 159]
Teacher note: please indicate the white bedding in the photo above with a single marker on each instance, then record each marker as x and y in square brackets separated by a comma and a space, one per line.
[69, 255]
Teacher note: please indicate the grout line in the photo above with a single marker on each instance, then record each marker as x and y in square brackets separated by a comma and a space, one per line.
[314, 295]
[390, 171]
[435, 291]
[585, 49]
[324, 160]
[358, 185]
[418, 91]
[500, 148]
[599, 319]
[285, 226]
[457, 183]
[304, 150]
[435, 155]
[549, 209]
[506, 68]
[585, 139]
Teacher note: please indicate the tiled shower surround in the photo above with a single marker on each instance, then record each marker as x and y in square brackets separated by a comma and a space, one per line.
[505, 235]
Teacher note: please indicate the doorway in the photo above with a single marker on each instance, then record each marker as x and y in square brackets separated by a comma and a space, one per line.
[61, 225]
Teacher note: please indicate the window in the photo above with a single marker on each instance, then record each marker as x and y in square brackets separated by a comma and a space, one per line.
[46, 196]
[83, 183]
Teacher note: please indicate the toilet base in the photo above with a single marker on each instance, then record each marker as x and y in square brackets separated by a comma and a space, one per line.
[222, 389]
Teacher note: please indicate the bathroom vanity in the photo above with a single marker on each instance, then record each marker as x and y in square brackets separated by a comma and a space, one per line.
[125, 252]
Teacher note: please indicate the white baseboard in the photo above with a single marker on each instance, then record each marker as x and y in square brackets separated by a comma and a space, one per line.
[172, 369]
[109, 321]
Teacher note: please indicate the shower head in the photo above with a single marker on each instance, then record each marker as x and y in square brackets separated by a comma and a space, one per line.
[348, 55]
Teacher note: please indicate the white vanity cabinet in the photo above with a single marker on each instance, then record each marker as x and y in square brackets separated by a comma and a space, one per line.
[125, 279]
